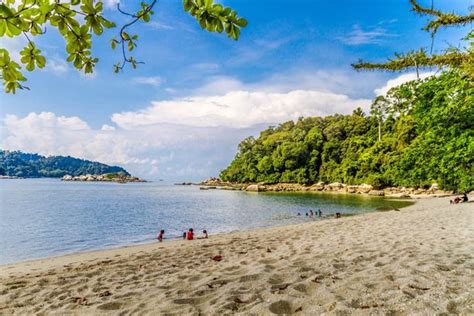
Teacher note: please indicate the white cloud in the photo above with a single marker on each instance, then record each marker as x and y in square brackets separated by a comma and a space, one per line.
[158, 151]
[240, 109]
[56, 66]
[110, 4]
[13, 45]
[359, 36]
[189, 137]
[152, 81]
[106, 127]
[401, 80]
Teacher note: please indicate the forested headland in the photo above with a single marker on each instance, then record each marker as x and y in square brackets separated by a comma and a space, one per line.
[420, 133]
[24, 165]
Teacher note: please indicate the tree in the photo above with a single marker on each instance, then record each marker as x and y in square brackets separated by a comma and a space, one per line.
[462, 58]
[378, 109]
[428, 137]
[78, 20]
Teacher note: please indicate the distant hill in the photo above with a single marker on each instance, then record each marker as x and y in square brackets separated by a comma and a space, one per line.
[19, 164]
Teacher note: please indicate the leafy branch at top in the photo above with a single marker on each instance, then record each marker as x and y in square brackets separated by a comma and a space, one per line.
[77, 21]
[462, 58]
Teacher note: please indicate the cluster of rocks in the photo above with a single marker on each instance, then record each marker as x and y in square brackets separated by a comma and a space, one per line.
[108, 177]
[336, 187]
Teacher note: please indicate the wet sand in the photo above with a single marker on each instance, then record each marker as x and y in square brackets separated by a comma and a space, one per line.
[416, 260]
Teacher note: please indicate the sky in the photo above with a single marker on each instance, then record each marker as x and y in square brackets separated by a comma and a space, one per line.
[181, 115]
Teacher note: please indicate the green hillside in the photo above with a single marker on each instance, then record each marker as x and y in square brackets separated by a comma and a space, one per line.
[426, 136]
[19, 164]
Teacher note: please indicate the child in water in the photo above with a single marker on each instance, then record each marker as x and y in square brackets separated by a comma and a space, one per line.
[190, 234]
[161, 235]
[184, 236]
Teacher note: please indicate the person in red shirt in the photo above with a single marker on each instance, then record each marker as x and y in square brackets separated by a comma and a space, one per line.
[161, 235]
[190, 235]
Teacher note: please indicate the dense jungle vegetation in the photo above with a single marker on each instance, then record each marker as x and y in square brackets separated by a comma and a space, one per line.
[420, 133]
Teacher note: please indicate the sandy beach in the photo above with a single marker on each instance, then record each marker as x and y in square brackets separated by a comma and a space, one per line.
[416, 260]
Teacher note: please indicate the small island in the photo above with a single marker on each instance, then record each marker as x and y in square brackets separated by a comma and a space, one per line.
[108, 177]
[19, 165]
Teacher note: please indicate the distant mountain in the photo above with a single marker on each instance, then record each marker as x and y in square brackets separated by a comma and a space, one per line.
[19, 164]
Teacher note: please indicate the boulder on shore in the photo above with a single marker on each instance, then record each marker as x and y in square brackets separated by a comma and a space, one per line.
[364, 188]
[255, 188]
[376, 192]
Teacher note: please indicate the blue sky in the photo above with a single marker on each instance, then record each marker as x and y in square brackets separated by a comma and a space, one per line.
[182, 114]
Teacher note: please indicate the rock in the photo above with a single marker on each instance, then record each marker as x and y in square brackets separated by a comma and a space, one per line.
[351, 189]
[364, 188]
[316, 187]
[419, 191]
[434, 187]
[376, 192]
[67, 178]
[254, 188]
[335, 186]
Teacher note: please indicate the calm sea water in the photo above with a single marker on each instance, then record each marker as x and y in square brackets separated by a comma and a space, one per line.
[46, 217]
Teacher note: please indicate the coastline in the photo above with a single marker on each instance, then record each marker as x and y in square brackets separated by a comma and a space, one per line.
[116, 249]
[417, 254]
[321, 187]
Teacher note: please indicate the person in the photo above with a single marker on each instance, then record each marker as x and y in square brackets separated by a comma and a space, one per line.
[299, 214]
[458, 199]
[311, 213]
[204, 233]
[338, 215]
[161, 235]
[190, 234]
[306, 214]
[320, 213]
[184, 235]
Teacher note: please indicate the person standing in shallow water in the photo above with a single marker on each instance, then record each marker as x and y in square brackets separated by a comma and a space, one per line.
[320, 213]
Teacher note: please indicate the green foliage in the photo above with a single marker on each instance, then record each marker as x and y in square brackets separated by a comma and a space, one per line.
[427, 136]
[78, 20]
[15, 163]
[459, 57]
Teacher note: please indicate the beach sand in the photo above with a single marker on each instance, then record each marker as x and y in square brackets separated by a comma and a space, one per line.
[416, 260]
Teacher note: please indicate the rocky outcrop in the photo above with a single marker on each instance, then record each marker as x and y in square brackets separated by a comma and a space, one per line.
[108, 177]
[335, 187]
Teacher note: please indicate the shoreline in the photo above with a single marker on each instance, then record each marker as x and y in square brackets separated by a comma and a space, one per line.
[413, 260]
[179, 238]
[321, 187]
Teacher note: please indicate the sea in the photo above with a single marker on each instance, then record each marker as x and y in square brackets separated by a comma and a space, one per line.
[42, 218]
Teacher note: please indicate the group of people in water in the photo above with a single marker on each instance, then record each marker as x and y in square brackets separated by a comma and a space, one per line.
[189, 235]
[318, 213]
